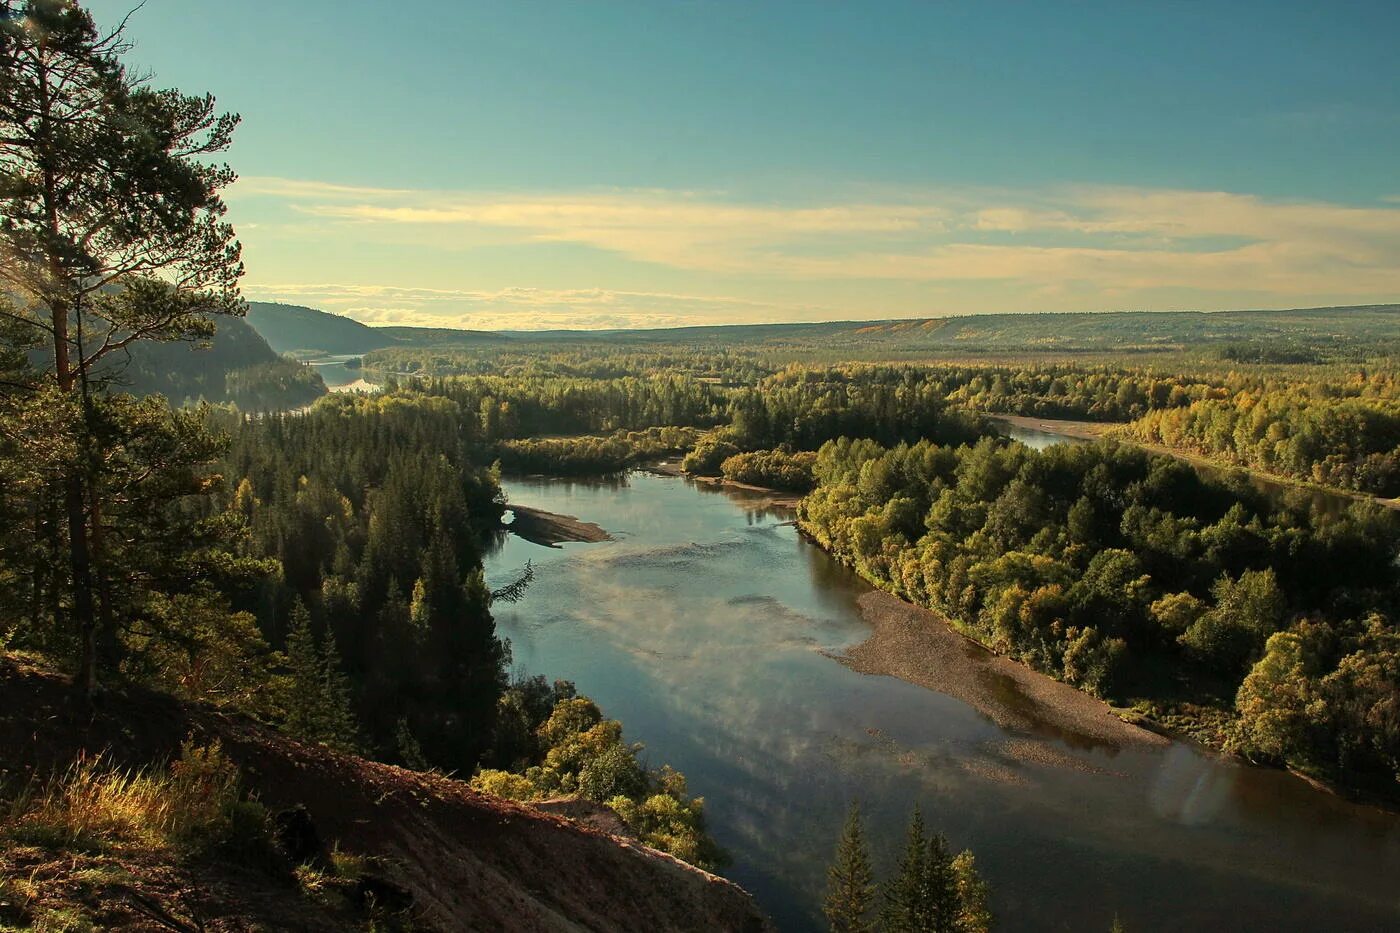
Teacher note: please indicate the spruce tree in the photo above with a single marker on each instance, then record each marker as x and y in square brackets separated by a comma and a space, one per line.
[318, 701]
[338, 729]
[304, 687]
[924, 895]
[850, 881]
[941, 884]
[906, 907]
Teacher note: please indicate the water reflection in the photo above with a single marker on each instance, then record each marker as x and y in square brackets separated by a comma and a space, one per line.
[708, 627]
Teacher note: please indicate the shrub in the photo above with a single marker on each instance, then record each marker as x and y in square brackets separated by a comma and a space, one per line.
[94, 806]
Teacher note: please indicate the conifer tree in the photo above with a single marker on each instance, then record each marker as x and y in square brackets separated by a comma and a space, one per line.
[850, 881]
[944, 904]
[338, 720]
[111, 233]
[924, 895]
[906, 907]
[318, 701]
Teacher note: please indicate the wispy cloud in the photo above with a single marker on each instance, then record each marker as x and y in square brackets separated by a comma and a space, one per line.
[1101, 246]
[526, 308]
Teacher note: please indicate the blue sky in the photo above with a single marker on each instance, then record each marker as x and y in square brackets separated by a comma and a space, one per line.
[602, 164]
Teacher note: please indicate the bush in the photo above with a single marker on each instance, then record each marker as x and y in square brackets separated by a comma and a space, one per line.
[708, 455]
[94, 806]
[776, 469]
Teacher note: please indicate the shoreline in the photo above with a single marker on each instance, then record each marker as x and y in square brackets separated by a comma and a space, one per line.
[774, 498]
[923, 648]
[914, 644]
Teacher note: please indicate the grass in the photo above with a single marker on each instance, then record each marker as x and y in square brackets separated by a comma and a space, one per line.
[94, 806]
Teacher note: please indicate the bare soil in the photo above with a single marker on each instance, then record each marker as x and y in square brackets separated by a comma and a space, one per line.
[923, 648]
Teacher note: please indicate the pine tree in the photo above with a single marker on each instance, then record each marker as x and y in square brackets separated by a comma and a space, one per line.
[318, 702]
[304, 691]
[850, 882]
[906, 895]
[113, 234]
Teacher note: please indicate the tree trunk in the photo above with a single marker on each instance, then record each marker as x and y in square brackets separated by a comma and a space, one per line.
[80, 561]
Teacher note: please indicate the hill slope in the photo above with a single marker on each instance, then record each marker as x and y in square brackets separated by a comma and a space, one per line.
[458, 859]
[295, 329]
[237, 366]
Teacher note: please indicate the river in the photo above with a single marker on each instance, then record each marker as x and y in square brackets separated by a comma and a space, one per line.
[708, 627]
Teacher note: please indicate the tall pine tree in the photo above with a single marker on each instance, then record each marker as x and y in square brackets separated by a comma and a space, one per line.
[850, 881]
[318, 693]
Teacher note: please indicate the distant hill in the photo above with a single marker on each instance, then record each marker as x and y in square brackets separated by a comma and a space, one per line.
[306, 331]
[236, 366]
[1311, 332]
[1320, 332]
[441, 336]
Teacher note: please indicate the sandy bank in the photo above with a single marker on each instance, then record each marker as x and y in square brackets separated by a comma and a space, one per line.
[1084, 430]
[920, 647]
[772, 498]
[540, 527]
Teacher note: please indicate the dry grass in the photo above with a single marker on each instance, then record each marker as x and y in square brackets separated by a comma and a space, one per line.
[93, 806]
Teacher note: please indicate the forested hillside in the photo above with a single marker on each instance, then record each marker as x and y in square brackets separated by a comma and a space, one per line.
[235, 366]
[306, 331]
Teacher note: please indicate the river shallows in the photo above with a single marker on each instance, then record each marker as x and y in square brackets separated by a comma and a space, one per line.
[707, 628]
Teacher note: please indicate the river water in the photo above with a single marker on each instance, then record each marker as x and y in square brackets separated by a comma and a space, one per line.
[708, 627]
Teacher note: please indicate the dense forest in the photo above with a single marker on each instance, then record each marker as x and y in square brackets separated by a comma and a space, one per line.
[1134, 577]
[187, 521]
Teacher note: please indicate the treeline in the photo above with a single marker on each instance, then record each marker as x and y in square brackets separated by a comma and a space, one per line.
[1348, 442]
[1133, 577]
[508, 408]
[594, 455]
[524, 359]
[932, 890]
[804, 407]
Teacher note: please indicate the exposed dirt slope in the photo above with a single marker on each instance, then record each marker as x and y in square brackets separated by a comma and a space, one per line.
[470, 862]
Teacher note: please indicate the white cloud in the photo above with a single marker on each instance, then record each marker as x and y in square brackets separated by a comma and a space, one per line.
[527, 308]
[1100, 246]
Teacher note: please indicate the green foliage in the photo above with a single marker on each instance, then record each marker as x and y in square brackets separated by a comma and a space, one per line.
[1246, 612]
[317, 693]
[574, 751]
[1104, 566]
[1323, 700]
[588, 455]
[850, 881]
[775, 469]
[1346, 435]
[923, 897]
[377, 516]
[709, 455]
